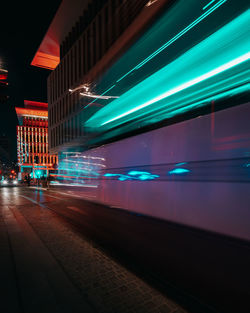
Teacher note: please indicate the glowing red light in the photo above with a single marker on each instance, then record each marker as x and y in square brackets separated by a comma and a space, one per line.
[3, 76]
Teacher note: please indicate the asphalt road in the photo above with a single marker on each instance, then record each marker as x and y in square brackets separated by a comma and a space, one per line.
[203, 272]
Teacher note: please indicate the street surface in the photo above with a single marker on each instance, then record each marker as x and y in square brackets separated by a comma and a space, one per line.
[110, 260]
[47, 266]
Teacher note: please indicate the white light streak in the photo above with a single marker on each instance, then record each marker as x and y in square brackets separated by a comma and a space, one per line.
[84, 86]
[88, 157]
[91, 95]
[74, 185]
[36, 116]
[82, 162]
[150, 2]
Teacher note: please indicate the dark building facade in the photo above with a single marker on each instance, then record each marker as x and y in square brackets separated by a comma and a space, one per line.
[3, 85]
[5, 149]
[85, 45]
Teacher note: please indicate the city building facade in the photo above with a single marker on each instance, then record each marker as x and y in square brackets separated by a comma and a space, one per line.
[81, 43]
[32, 140]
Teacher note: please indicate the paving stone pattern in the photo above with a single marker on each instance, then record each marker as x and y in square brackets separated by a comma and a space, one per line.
[107, 285]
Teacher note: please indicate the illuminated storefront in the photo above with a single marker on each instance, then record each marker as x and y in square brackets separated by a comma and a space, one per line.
[32, 140]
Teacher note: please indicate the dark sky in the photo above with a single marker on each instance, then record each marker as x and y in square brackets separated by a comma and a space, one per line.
[23, 25]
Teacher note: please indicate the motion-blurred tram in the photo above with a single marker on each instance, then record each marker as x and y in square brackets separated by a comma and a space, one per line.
[168, 138]
[174, 141]
[195, 172]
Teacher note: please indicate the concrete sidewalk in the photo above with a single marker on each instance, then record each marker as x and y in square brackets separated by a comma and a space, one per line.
[31, 280]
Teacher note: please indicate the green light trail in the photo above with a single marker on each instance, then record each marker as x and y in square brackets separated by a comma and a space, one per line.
[205, 70]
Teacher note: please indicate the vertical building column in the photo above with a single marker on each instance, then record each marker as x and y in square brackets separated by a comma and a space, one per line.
[32, 145]
[18, 147]
[24, 144]
[80, 59]
[76, 66]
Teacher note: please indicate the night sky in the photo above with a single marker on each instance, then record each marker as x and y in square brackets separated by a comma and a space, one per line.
[23, 25]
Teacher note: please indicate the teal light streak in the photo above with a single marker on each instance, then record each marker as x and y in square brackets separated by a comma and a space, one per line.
[173, 112]
[218, 70]
[180, 34]
[139, 175]
[110, 175]
[133, 173]
[179, 171]
[167, 44]
[204, 8]
[123, 178]
[225, 52]
[172, 40]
